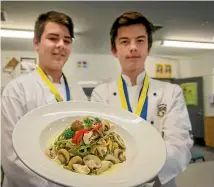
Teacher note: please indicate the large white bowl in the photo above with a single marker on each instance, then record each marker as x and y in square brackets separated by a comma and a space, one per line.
[146, 151]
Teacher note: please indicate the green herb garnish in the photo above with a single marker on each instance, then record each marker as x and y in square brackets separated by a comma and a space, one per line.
[88, 123]
[68, 133]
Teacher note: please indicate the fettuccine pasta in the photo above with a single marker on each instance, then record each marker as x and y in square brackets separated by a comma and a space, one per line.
[88, 146]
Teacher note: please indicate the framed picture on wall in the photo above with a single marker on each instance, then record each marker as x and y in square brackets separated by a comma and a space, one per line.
[163, 70]
[27, 64]
[11, 65]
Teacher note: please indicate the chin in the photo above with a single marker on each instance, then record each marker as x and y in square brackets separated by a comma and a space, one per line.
[132, 68]
[58, 66]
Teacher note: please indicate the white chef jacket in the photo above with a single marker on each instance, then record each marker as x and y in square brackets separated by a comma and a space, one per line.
[20, 96]
[166, 111]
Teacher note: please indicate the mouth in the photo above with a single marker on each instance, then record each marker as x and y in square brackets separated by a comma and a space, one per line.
[58, 54]
[133, 57]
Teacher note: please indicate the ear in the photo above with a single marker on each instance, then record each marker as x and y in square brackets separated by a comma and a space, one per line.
[149, 51]
[114, 52]
[36, 43]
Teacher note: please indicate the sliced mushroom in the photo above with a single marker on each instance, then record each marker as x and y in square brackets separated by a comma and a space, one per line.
[81, 169]
[106, 125]
[92, 161]
[119, 154]
[102, 151]
[63, 156]
[50, 153]
[119, 140]
[86, 137]
[105, 166]
[111, 158]
[122, 157]
[75, 160]
[77, 125]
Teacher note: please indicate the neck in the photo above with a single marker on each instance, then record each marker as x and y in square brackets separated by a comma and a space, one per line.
[132, 76]
[55, 74]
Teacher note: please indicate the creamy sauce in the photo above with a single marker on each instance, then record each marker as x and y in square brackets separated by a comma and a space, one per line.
[112, 170]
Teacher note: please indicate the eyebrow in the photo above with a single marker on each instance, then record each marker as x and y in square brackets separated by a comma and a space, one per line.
[125, 38]
[142, 36]
[53, 34]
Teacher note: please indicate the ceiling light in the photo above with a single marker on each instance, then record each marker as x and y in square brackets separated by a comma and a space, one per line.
[182, 44]
[16, 33]
[6, 33]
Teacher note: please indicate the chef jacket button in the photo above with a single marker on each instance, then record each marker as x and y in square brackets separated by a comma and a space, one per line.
[152, 122]
[154, 94]
[114, 93]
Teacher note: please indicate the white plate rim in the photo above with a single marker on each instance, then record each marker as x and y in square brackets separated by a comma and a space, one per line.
[86, 102]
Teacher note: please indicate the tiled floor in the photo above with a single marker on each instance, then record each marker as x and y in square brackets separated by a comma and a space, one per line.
[207, 152]
[199, 174]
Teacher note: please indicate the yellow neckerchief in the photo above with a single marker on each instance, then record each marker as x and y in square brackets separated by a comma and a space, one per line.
[123, 93]
[52, 87]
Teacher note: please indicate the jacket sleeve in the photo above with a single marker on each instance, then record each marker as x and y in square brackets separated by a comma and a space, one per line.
[176, 131]
[15, 171]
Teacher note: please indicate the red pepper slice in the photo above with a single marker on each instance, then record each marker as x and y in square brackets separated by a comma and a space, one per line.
[78, 136]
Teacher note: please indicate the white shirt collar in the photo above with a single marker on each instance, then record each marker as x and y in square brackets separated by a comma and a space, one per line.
[140, 78]
[61, 79]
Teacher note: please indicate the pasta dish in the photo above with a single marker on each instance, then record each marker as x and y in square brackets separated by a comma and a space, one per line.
[88, 146]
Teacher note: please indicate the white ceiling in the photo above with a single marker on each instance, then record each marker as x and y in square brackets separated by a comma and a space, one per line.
[190, 21]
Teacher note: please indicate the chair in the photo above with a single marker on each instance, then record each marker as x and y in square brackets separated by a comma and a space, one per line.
[197, 156]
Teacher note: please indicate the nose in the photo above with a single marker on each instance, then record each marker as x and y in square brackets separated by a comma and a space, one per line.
[60, 44]
[133, 46]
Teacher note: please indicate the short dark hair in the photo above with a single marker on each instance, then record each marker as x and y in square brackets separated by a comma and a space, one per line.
[131, 18]
[52, 16]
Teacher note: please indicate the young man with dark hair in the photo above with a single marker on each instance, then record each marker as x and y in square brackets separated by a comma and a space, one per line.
[162, 104]
[47, 84]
